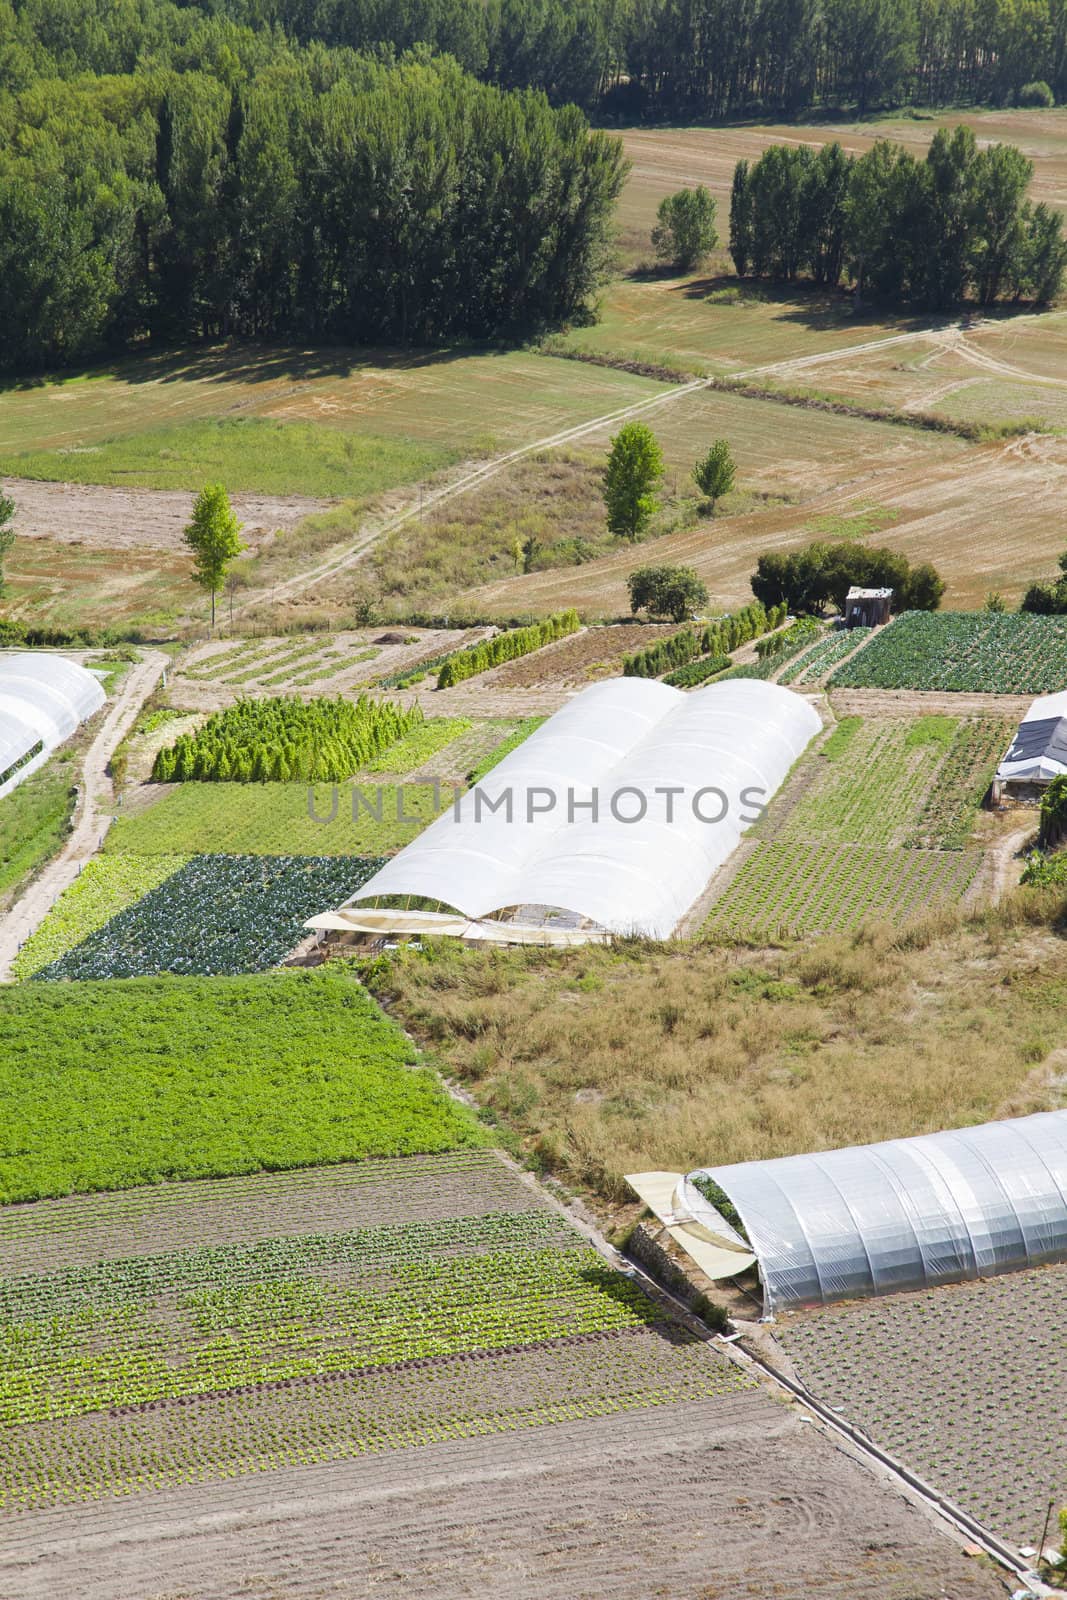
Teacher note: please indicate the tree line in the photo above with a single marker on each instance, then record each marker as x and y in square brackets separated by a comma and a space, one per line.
[276, 190]
[931, 230]
[624, 59]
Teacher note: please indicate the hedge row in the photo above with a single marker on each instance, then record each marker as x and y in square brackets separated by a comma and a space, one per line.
[717, 639]
[283, 740]
[784, 647]
[506, 647]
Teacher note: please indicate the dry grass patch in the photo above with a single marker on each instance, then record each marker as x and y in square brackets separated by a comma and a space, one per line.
[607, 1061]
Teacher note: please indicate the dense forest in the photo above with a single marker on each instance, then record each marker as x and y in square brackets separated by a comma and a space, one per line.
[618, 58]
[235, 183]
[930, 231]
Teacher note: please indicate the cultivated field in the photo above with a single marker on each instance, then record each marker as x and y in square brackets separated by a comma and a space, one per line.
[966, 1384]
[346, 1404]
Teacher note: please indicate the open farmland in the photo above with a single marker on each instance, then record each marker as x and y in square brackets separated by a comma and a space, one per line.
[189, 1077]
[442, 1340]
[958, 652]
[965, 1383]
[212, 914]
[275, 819]
[873, 824]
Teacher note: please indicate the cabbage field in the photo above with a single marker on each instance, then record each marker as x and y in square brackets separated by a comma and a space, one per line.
[967, 652]
[216, 914]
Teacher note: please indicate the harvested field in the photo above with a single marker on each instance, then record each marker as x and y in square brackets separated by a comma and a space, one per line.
[105, 518]
[987, 514]
[457, 401]
[666, 159]
[966, 1384]
[541, 1515]
[581, 659]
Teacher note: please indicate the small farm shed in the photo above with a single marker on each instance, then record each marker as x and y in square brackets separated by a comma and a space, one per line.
[1038, 753]
[867, 608]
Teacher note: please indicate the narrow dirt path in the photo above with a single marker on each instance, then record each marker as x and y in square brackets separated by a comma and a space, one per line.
[92, 814]
[461, 485]
[1005, 862]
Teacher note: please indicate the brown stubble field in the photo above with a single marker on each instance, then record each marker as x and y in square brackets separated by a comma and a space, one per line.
[989, 516]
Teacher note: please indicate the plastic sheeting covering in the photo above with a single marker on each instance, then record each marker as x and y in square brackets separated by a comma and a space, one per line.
[1039, 750]
[618, 809]
[43, 698]
[906, 1214]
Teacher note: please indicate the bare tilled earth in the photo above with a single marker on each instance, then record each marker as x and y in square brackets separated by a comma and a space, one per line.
[138, 519]
[581, 659]
[712, 1500]
[966, 1384]
[920, 702]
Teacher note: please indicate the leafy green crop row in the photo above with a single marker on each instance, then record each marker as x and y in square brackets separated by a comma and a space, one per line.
[506, 646]
[817, 661]
[106, 885]
[504, 748]
[780, 649]
[106, 1085]
[696, 672]
[716, 638]
[798, 889]
[416, 747]
[277, 819]
[215, 914]
[976, 652]
[282, 739]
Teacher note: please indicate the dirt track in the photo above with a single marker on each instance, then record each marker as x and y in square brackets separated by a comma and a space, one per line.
[138, 519]
[719, 1499]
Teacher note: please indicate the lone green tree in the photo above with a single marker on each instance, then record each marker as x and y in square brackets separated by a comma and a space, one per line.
[635, 467]
[674, 592]
[7, 532]
[214, 537]
[685, 228]
[715, 472]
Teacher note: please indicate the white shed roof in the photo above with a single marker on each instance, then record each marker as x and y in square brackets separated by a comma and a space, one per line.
[43, 698]
[618, 809]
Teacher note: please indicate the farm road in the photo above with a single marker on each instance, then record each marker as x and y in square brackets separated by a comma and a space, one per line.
[719, 1498]
[91, 814]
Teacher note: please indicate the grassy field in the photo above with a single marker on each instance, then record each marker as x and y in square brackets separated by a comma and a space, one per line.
[214, 914]
[104, 1085]
[243, 453]
[274, 819]
[34, 819]
[641, 1058]
[464, 401]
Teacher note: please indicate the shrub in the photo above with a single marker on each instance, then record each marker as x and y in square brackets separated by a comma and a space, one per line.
[283, 739]
[506, 647]
[718, 639]
[1036, 94]
[811, 579]
[674, 592]
[1054, 812]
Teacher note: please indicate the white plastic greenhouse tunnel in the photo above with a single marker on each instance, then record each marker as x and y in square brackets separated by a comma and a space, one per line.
[610, 819]
[43, 699]
[877, 1219]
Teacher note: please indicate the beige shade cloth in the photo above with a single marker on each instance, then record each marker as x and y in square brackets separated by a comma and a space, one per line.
[358, 919]
[716, 1254]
